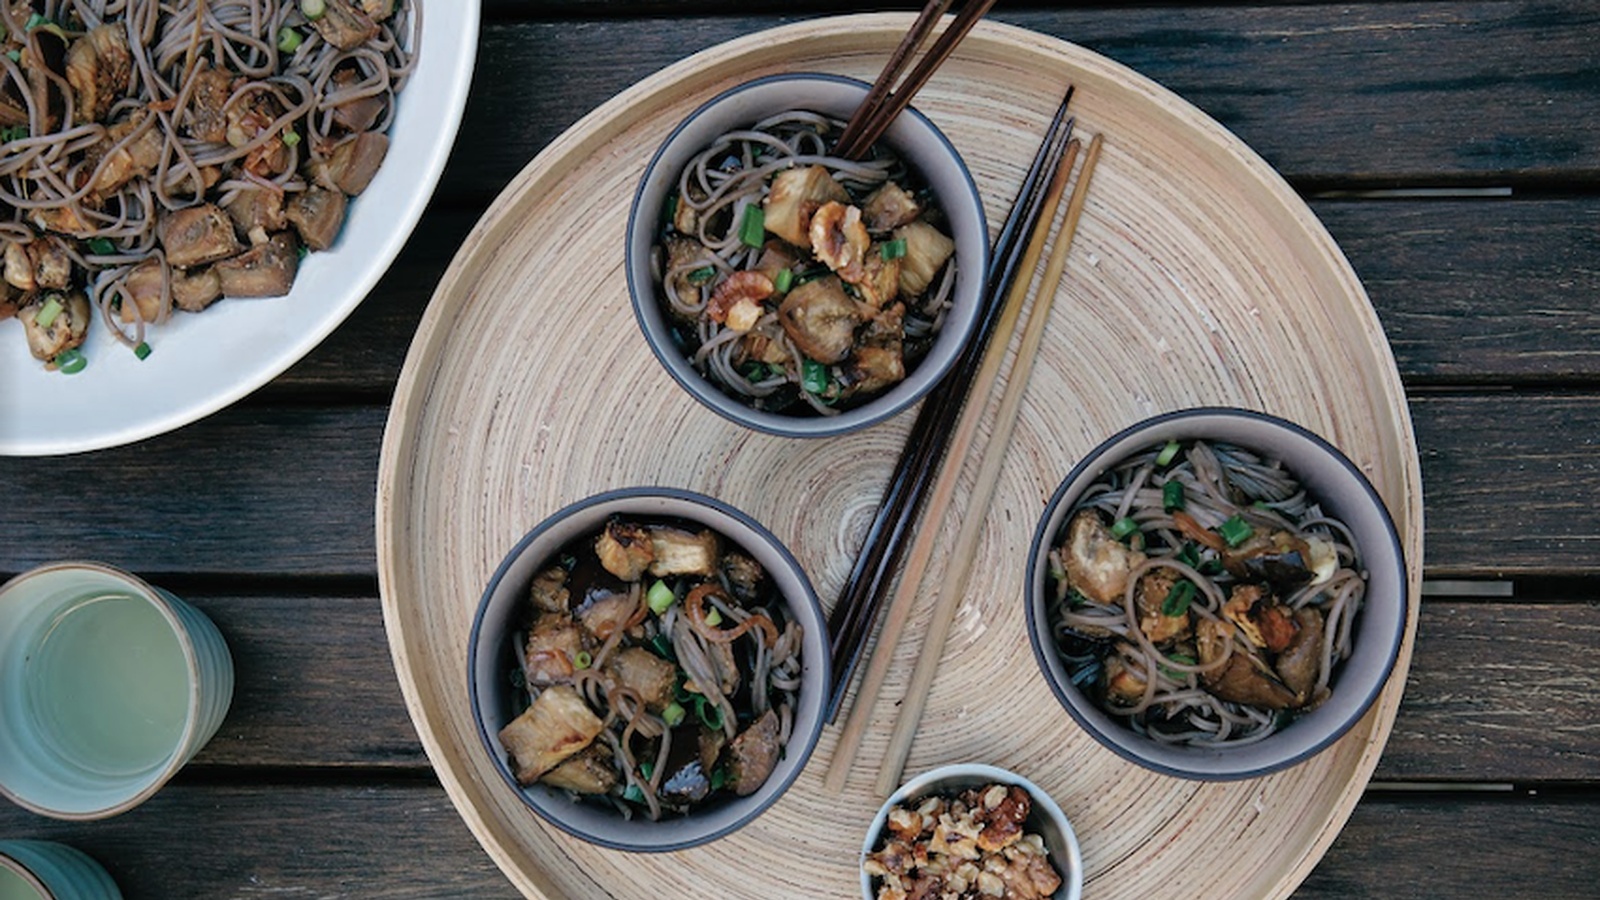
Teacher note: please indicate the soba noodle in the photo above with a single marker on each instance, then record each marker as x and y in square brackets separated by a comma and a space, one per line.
[688, 685]
[1202, 597]
[95, 159]
[801, 281]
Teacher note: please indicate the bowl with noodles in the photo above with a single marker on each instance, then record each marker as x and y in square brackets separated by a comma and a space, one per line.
[1216, 593]
[648, 669]
[207, 196]
[793, 290]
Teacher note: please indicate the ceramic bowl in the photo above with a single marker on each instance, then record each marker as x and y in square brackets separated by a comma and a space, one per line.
[491, 658]
[913, 137]
[51, 871]
[1343, 492]
[1045, 819]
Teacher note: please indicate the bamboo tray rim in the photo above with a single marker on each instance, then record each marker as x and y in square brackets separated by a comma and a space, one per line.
[418, 394]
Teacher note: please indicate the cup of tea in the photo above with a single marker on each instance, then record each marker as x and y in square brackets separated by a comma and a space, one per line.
[45, 870]
[108, 686]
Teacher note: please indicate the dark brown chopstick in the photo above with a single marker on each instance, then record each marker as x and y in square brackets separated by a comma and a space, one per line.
[850, 626]
[892, 70]
[881, 106]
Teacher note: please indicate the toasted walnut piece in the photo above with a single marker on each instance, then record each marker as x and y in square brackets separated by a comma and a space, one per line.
[549, 590]
[737, 300]
[794, 196]
[840, 240]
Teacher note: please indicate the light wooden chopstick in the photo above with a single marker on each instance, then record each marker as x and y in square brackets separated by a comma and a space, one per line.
[955, 586]
[944, 489]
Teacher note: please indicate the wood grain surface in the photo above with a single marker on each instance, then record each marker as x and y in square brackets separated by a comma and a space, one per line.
[1197, 278]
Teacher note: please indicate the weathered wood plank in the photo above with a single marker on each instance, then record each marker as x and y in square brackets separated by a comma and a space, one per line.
[390, 841]
[1428, 92]
[1404, 847]
[1498, 691]
[1511, 483]
[1469, 292]
[397, 842]
[314, 685]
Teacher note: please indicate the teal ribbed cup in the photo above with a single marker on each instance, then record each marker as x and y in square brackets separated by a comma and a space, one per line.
[43, 870]
[108, 686]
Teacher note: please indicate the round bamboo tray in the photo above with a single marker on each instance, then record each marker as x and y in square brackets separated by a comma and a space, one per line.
[1198, 277]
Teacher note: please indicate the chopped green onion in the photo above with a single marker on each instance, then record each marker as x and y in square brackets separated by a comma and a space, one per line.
[583, 660]
[1183, 658]
[289, 40]
[1235, 531]
[101, 246]
[34, 21]
[1076, 599]
[1123, 527]
[633, 793]
[16, 133]
[48, 313]
[892, 249]
[647, 769]
[719, 777]
[142, 351]
[313, 9]
[1189, 555]
[813, 376]
[755, 372]
[1177, 599]
[291, 138]
[714, 618]
[710, 714]
[782, 281]
[660, 597]
[702, 275]
[673, 714]
[14, 55]
[662, 645]
[70, 362]
[1168, 453]
[753, 228]
[1172, 495]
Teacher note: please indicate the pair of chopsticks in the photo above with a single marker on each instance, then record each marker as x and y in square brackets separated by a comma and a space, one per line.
[885, 101]
[956, 574]
[855, 614]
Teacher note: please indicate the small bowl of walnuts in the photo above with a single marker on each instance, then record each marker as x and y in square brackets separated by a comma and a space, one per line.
[971, 830]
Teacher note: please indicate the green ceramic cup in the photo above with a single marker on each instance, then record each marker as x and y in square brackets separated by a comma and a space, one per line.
[108, 686]
[43, 870]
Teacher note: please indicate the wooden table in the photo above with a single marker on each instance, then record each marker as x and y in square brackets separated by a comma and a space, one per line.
[1451, 150]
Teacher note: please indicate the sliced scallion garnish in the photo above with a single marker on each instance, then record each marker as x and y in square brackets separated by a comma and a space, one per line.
[1177, 600]
[142, 351]
[753, 227]
[289, 40]
[813, 376]
[70, 362]
[1172, 495]
[100, 246]
[660, 597]
[892, 249]
[1235, 531]
[48, 313]
[673, 714]
[1168, 453]
[782, 281]
[1123, 527]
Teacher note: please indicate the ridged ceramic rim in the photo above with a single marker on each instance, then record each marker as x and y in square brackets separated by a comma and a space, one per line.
[1216, 765]
[713, 514]
[973, 257]
[176, 758]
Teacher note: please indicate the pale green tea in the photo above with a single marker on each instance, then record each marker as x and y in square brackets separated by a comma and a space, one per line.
[108, 686]
[15, 887]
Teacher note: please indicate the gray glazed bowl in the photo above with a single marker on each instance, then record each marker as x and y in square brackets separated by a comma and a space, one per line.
[1046, 820]
[911, 135]
[489, 657]
[1344, 492]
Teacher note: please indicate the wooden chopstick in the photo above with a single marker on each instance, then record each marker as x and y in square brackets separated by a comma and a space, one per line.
[888, 105]
[955, 586]
[922, 547]
[931, 12]
[850, 626]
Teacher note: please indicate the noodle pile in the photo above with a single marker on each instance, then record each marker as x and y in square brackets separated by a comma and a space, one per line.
[110, 129]
[1202, 597]
[767, 216]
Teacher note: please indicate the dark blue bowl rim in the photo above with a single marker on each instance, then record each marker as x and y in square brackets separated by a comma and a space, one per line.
[492, 748]
[773, 423]
[1037, 631]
